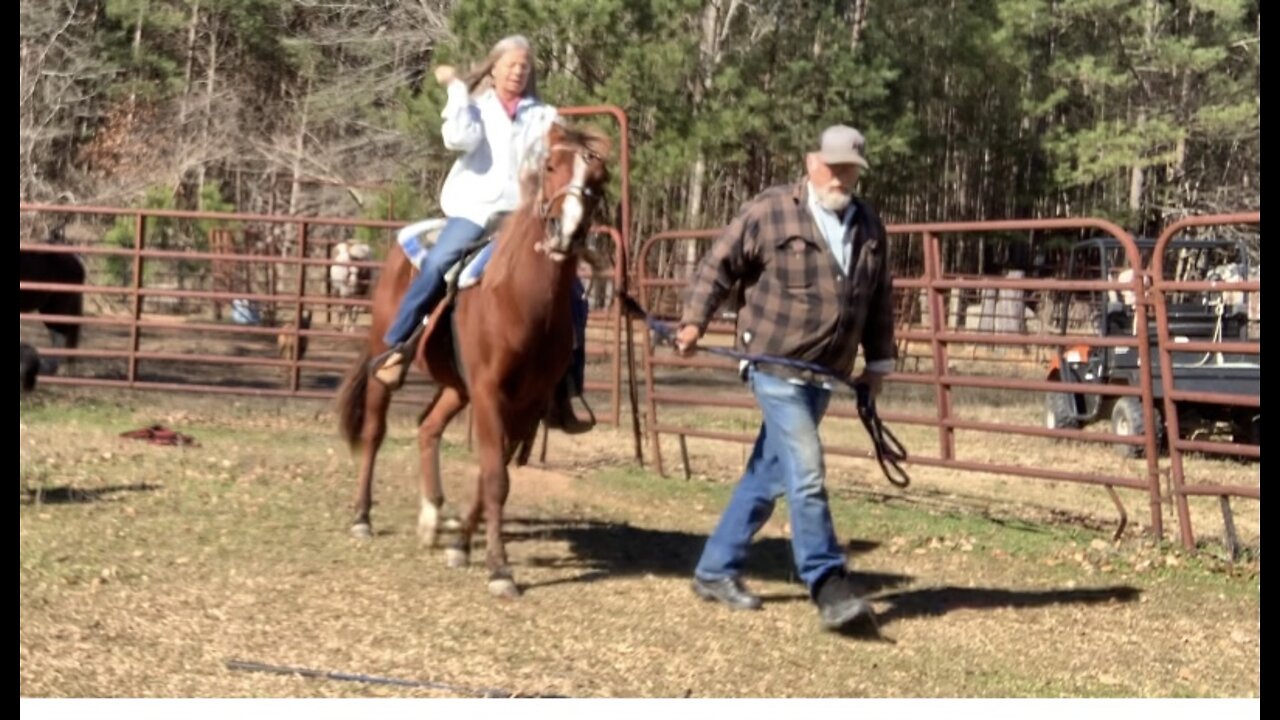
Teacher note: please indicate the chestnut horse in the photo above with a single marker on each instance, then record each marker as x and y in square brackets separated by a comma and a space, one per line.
[509, 343]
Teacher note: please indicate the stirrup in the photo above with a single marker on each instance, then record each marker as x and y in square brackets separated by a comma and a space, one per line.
[391, 370]
[562, 416]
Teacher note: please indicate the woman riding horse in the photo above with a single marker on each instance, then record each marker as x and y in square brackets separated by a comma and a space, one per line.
[495, 131]
[512, 338]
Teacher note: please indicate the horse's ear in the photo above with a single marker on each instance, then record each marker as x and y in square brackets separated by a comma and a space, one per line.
[603, 145]
[555, 133]
[533, 159]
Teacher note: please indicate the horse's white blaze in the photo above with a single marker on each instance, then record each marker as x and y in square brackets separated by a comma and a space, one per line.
[571, 214]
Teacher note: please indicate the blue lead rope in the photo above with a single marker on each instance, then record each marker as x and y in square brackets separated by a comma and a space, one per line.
[888, 449]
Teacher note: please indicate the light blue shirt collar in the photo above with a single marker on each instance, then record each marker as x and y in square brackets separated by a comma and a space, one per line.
[834, 228]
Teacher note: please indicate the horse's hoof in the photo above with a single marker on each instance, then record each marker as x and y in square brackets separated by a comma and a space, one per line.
[451, 524]
[504, 588]
[455, 558]
[428, 536]
[362, 531]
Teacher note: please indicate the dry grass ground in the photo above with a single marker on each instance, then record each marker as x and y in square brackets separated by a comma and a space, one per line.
[144, 568]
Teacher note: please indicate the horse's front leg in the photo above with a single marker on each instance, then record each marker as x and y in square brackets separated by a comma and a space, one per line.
[494, 484]
[502, 582]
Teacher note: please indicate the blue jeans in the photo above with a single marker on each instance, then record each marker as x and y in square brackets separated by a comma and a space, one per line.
[787, 460]
[428, 287]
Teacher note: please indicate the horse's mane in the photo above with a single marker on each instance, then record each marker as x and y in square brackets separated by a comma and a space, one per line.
[517, 229]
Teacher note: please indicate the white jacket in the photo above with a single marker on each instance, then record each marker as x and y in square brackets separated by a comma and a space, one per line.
[486, 179]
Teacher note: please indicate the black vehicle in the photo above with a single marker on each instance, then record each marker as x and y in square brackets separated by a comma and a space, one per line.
[1193, 316]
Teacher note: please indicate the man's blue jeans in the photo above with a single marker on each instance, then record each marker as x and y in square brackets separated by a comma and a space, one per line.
[787, 460]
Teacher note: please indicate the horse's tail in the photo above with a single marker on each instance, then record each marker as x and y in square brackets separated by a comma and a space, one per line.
[351, 400]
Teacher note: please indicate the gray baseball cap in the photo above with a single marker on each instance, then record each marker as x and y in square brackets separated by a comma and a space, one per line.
[842, 145]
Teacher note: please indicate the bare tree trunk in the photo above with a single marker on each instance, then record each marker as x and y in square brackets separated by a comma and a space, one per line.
[211, 79]
[715, 29]
[859, 24]
[707, 53]
[1179, 169]
[295, 188]
[136, 55]
[191, 57]
[1138, 176]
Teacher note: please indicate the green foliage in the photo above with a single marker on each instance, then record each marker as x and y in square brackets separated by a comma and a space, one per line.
[164, 233]
[972, 108]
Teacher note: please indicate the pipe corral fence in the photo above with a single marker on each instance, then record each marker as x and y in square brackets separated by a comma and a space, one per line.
[1085, 339]
[1088, 338]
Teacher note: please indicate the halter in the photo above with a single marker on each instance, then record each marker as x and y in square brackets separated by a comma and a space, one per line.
[575, 189]
[578, 190]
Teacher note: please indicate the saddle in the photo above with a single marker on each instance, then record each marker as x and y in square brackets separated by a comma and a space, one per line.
[417, 240]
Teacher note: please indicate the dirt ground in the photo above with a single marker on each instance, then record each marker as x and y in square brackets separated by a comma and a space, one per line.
[144, 569]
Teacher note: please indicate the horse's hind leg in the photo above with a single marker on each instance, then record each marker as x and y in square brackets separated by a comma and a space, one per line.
[446, 405]
[520, 446]
[377, 399]
[458, 554]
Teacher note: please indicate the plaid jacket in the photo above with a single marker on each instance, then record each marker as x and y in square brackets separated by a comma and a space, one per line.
[795, 300]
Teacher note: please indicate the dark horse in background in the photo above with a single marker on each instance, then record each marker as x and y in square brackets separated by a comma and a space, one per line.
[53, 267]
[510, 342]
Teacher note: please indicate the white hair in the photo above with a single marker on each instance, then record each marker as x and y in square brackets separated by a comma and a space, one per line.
[482, 72]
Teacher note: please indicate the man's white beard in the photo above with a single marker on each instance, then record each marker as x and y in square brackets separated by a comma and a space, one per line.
[834, 200]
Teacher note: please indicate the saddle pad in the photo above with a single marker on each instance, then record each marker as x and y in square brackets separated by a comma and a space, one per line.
[468, 271]
[417, 239]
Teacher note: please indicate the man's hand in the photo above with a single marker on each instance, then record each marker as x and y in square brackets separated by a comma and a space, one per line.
[445, 74]
[687, 340]
[873, 380]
